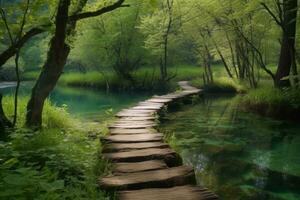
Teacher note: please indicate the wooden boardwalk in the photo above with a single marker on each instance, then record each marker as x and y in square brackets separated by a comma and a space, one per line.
[144, 167]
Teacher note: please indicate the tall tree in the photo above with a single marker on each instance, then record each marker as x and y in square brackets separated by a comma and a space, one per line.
[287, 20]
[57, 55]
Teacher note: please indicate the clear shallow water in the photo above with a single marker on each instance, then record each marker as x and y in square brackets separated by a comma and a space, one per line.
[86, 104]
[238, 155]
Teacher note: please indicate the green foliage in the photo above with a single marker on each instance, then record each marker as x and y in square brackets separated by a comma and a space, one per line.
[60, 161]
[224, 85]
[53, 117]
[280, 103]
[145, 78]
[30, 75]
[112, 41]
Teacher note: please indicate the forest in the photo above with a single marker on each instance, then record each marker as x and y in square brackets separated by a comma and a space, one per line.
[70, 68]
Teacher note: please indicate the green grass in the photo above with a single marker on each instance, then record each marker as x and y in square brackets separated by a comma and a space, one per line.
[53, 117]
[61, 161]
[274, 102]
[146, 78]
[225, 85]
[30, 76]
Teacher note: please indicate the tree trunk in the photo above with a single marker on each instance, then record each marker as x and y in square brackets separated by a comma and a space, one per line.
[288, 43]
[4, 122]
[232, 55]
[52, 68]
[223, 60]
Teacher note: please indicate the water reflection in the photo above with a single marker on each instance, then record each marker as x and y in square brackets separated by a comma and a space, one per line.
[84, 103]
[239, 155]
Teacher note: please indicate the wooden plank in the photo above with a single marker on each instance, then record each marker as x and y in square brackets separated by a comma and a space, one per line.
[157, 137]
[141, 111]
[159, 100]
[131, 114]
[125, 121]
[120, 168]
[132, 125]
[169, 156]
[147, 107]
[175, 176]
[148, 103]
[175, 193]
[139, 118]
[123, 131]
[171, 96]
[118, 147]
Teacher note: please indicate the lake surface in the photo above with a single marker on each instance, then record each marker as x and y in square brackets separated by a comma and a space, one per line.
[238, 155]
[86, 104]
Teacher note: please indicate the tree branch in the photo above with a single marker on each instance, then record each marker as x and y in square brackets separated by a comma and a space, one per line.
[10, 51]
[260, 59]
[101, 11]
[278, 21]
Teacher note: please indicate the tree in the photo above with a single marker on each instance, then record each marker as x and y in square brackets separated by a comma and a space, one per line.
[13, 41]
[158, 28]
[113, 42]
[286, 20]
[58, 54]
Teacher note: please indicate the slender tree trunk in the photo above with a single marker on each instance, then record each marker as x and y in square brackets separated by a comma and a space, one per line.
[52, 68]
[223, 60]
[294, 67]
[232, 54]
[288, 43]
[4, 122]
[17, 87]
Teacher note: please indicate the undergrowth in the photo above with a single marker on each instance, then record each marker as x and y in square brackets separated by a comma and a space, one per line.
[274, 102]
[61, 161]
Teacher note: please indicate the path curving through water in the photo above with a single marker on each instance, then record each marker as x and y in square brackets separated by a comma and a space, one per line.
[144, 167]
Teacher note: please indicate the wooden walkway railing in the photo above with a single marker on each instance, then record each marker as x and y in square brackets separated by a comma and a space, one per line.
[144, 167]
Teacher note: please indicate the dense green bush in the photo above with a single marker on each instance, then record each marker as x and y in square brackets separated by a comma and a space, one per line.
[58, 162]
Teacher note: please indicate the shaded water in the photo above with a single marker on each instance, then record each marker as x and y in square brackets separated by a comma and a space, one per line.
[238, 155]
[86, 104]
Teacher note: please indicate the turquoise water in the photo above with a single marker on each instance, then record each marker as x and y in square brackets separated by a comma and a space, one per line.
[236, 154]
[86, 104]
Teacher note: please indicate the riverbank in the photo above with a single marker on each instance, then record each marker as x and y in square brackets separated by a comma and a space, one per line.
[57, 162]
[273, 102]
[145, 79]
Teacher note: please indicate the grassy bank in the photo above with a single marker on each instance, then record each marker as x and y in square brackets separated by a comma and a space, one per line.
[149, 79]
[221, 85]
[144, 79]
[59, 162]
[273, 102]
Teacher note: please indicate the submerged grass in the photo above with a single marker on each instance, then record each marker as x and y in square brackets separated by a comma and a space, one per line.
[61, 161]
